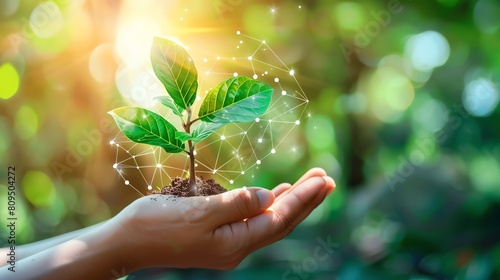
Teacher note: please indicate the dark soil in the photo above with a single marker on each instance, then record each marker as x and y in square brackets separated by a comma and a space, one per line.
[180, 187]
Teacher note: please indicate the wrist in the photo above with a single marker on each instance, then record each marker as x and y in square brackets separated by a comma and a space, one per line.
[133, 242]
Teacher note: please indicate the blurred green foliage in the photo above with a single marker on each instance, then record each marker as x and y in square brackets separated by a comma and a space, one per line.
[404, 115]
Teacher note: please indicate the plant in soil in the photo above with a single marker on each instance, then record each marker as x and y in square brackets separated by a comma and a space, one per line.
[236, 100]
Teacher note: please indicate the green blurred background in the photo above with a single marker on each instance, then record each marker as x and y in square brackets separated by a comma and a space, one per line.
[404, 116]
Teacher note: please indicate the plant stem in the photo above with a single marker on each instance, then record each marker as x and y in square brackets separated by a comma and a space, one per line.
[192, 173]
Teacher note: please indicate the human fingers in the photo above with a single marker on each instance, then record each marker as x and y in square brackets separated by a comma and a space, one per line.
[313, 172]
[237, 205]
[289, 211]
[281, 188]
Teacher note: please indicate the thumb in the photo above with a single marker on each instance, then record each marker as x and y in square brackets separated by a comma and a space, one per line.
[239, 204]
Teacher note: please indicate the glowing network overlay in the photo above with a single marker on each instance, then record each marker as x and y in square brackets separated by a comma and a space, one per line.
[235, 150]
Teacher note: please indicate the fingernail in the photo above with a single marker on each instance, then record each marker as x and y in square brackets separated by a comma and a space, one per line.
[265, 197]
[329, 182]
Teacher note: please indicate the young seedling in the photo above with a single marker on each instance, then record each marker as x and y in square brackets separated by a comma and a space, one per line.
[235, 100]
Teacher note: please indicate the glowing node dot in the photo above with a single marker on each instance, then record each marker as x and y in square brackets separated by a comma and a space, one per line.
[273, 10]
[115, 166]
[241, 41]
[195, 165]
[150, 187]
[218, 58]
[214, 171]
[258, 161]
[297, 122]
[234, 58]
[205, 60]
[231, 182]
[182, 18]
[235, 74]
[263, 41]
[257, 120]
[197, 98]
[244, 132]
[250, 58]
[194, 152]
[259, 140]
[307, 101]
[111, 142]
[266, 72]
[158, 165]
[237, 47]
[133, 156]
[242, 172]
[207, 198]
[276, 80]
[223, 137]
[273, 151]
[292, 72]
[255, 76]
[206, 73]
[127, 182]
[238, 33]
[300, 7]
[137, 167]
[118, 145]
[270, 121]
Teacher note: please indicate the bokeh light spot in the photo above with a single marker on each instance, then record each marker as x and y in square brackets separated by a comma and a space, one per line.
[427, 50]
[26, 122]
[8, 7]
[38, 188]
[9, 81]
[486, 16]
[46, 20]
[349, 15]
[320, 132]
[102, 64]
[480, 97]
[134, 39]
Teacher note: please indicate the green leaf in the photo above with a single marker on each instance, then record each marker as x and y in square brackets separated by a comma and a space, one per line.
[183, 136]
[175, 69]
[143, 126]
[236, 100]
[205, 129]
[168, 102]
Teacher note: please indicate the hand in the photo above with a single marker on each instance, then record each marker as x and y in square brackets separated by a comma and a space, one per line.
[215, 232]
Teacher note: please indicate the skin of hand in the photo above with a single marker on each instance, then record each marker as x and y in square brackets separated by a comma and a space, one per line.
[221, 232]
[215, 232]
